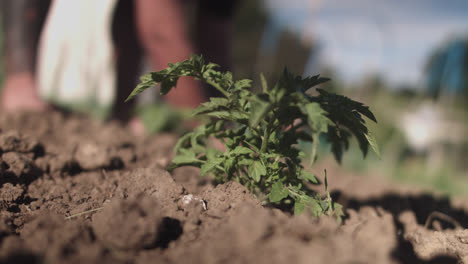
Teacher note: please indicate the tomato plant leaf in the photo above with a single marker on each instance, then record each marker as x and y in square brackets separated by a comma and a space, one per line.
[316, 117]
[310, 177]
[210, 165]
[214, 104]
[260, 108]
[373, 143]
[146, 82]
[240, 150]
[264, 83]
[306, 203]
[277, 192]
[256, 170]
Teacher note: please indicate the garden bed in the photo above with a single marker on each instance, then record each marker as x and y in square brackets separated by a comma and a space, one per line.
[73, 190]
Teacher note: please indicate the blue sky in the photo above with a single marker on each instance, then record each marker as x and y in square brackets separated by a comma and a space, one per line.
[361, 37]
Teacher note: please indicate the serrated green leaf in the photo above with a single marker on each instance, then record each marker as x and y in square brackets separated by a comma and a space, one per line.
[242, 84]
[239, 116]
[146, 83]
[229, 142]
[299, 206]
[364, 110]
[240, 150]
[212, 153]
[257, 170]
[167, 85]
[277, 192]
[182, 140]
[214, 104]
[245, 162]
[278, 95]
[228, 115]
[338, 212]
[373, 143]
[218, 101]
[264, 83]
[196, 136]
[229, 165]
[306, 203]
[260, 109]
[210, 165]
[172, 166]
[310, 177]
[182, 160]
[301, 203]
[310, 82]
[316, 117]
[168, 77]
[274, 139]
[186, 157]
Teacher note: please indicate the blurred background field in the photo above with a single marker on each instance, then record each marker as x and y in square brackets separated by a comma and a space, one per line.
[407, 60]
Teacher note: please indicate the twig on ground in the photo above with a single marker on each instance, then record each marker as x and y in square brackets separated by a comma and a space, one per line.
[443, 217]
[83, 213]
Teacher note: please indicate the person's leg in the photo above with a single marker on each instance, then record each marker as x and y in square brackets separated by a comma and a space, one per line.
[22, 24]
[214, 32]
[162, 30]
[128, 58]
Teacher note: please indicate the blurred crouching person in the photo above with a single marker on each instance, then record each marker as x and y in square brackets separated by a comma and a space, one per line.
[87, 53]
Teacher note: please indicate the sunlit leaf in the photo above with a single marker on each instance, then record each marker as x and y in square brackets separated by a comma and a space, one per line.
[373, 143]
[240, 150]
[210, 165]
[277, 192]
[257, 170]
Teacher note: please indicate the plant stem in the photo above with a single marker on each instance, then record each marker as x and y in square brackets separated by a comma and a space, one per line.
[266, 135]
[314, 147]
[293, 193]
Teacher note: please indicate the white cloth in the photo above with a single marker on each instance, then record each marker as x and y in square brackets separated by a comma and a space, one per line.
[76, 66]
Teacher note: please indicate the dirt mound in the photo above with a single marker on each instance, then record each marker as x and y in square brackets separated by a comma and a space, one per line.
[73, 190]
[140, 221]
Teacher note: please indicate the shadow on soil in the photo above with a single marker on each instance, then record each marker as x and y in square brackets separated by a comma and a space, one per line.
[169, 230]
[23, 258]
[423, 206]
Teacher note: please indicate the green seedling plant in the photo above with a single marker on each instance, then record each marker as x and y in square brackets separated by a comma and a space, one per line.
[260, 132]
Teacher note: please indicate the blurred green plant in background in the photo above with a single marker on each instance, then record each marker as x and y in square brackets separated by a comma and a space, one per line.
[161, 117]
[441, 166]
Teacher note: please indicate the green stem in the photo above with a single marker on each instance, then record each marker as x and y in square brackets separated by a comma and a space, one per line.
[255, 132]
[293, 193]
[246, 173]
[314, 147]
[266, 135]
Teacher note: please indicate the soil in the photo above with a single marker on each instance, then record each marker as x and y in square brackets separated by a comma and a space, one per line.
[73, 190]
